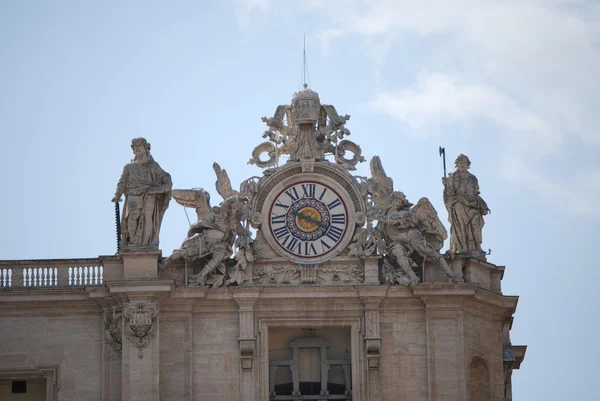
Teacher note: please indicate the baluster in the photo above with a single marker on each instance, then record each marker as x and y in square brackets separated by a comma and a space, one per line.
[70, 275]
[3, 278]
[45, 277]
[10, 277]
[95, 276]
[101, 275]
[80, 270]
[56, 276]
[88, 274]
[24, 277]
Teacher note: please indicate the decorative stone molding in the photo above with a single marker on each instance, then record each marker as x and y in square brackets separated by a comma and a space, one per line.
[112, 329]
[308, 273]
[308, 164]
[276, 274]
[344, 273]
[247, 352]
[373, 346]
[140, 328]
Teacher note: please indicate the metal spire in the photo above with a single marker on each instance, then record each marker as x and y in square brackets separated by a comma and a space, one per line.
[305, 73]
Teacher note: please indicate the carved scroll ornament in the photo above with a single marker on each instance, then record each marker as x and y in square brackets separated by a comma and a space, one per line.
[140, 328]
[112, 328]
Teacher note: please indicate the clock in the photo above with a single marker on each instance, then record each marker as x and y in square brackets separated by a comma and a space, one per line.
[308, 221]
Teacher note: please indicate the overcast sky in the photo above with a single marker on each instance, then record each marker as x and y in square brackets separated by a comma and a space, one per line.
[512, 84]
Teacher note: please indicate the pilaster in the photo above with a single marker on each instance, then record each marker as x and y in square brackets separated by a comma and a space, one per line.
[246, 298]
[372, 297]
[139, 296]
[445, 346]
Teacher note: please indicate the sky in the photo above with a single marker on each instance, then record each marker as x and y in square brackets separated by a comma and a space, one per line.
[513, 84]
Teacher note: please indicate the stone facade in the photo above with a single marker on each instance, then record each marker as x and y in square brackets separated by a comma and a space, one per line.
[433, 341]
[305, 284]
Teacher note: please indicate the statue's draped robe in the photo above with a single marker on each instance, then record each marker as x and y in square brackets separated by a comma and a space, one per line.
[143, 211]
[465, 212]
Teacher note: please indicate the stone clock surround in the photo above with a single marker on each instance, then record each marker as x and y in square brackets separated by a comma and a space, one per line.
[343, 184]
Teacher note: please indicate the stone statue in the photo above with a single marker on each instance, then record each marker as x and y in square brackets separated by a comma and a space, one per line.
[306, 130]
[147, 189]
[465, 210]
[217, 232]
[409, 231]
[403, 233]
[213, 236]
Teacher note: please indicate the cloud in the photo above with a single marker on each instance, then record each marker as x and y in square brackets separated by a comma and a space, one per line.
[247, 10]
[527, 66]
[439, 97]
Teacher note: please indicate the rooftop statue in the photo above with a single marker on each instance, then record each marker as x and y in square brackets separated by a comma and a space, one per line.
[410, 232]
[218, 230]
[306, 131]
[465, 210]
[403, 233]
[147, 189]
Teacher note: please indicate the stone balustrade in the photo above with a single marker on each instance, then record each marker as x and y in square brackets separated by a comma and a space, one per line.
[51, 273]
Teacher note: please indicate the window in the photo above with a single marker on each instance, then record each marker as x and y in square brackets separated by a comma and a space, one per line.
[19, 386]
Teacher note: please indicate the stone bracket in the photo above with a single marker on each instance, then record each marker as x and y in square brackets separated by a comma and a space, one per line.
[373, 345]
[247, 350]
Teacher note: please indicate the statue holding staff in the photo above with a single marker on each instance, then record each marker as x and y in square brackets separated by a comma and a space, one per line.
[147, 189]
[465, 210]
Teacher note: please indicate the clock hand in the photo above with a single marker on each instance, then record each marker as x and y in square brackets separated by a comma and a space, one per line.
[308, 218]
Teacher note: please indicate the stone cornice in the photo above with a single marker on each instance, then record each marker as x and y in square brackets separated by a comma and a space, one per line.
[43, 294]
[140, 286]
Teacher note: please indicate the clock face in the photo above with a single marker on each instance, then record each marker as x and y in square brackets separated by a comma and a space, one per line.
[308, 220]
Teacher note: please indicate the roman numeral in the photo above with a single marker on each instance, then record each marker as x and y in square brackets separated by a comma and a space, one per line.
[324, 245]
[322, 194]
[276, 219]
[278, 203]
[281, 232]
[292, 193]
[334, 204]
[338, 218]
[334, 233]
[308, 190]
[293, 244]
[308, 248]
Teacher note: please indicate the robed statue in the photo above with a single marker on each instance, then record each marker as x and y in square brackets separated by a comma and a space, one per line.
[147, 190]
[465, 210]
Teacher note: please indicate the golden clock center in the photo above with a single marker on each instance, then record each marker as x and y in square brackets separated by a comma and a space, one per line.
[308, 219]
